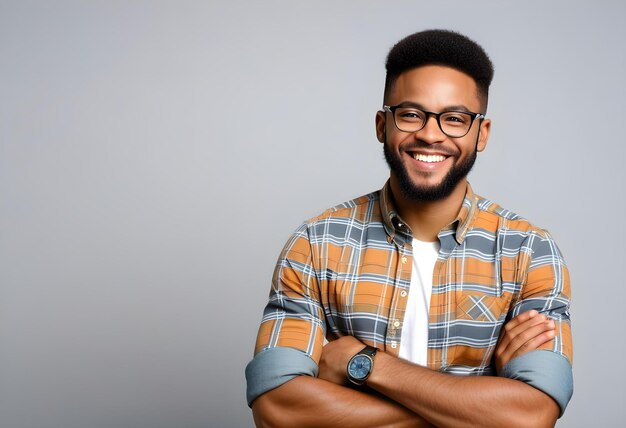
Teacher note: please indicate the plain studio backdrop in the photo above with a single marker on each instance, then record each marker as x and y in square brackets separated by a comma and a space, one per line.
[155, 156]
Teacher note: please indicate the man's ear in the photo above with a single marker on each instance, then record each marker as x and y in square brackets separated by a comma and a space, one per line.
[485, 127]
[380, 126]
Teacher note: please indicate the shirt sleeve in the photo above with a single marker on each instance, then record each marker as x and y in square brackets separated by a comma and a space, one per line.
[291, 336]
[547, 290]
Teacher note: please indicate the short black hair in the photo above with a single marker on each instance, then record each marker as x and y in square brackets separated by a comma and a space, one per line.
[441, 47]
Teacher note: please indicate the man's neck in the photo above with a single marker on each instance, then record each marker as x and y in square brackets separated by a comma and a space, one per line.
[426, 219]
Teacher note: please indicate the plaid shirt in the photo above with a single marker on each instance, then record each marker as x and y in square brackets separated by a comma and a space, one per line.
[348, 272]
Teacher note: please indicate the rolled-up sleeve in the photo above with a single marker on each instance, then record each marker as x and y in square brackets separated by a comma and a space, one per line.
[546, 289]
[547, 371]
[275, 366]
[290, 338]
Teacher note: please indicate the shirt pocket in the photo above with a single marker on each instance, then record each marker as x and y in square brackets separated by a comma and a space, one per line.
[479, 319]
[483, 308]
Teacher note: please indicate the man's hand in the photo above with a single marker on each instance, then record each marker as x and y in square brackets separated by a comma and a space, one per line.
[335, 357]
[524, 333]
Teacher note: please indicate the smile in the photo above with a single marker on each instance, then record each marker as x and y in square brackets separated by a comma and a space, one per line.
[429, 158]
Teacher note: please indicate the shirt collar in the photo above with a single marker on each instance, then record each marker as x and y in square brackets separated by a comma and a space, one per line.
[394, 224]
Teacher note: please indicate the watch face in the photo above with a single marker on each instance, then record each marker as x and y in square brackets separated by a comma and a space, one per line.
[360, 366]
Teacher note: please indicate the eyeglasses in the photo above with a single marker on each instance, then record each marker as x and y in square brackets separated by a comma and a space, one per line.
[454, 124]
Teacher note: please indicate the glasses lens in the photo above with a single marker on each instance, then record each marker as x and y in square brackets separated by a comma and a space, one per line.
[455, 124]
[409, 119]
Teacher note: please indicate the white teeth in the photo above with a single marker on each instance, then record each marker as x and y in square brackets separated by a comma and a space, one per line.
[429, 158]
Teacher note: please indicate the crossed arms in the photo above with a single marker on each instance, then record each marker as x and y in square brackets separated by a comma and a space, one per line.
[401, 394]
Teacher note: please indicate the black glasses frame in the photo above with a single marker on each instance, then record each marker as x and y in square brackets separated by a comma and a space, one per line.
[474, 116]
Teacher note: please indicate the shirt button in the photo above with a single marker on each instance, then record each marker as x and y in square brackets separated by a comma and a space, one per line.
[403, 293]
[396, 323]
[403, 260]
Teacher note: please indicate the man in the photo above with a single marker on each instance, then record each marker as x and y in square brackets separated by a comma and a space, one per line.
[440, 307]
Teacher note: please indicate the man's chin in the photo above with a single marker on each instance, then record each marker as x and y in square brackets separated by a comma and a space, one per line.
[429, 194]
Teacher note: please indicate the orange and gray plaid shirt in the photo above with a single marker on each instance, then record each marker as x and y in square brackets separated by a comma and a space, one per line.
[348, 272]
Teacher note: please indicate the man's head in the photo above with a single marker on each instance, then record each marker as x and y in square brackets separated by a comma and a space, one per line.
[432, 73]
[445, 48]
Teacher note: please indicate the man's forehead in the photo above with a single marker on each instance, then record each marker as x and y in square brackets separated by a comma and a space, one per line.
[439, 83]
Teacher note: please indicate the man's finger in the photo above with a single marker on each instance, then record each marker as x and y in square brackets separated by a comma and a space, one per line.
[533, 336]
[527, 335]
[522, 334]
[534, 343]
[520, 323]
[524, 316]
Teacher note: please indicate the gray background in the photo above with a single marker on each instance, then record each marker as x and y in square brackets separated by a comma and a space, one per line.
[154, 156]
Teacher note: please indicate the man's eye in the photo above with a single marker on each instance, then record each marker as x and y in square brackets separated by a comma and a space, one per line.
[412, 115]
[456, 118]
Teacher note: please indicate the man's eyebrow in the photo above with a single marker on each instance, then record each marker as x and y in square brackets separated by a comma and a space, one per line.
[455, 107]
[458, 107]
[411, 104]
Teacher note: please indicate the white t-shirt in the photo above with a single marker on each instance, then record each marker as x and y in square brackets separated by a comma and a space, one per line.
[414, 340]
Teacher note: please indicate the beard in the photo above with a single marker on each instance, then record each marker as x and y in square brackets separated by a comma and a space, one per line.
[413, 192]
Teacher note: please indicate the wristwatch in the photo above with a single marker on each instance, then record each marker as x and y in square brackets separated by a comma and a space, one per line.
[361, 365]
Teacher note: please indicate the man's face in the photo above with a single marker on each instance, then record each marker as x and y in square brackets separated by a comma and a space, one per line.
[427, 165]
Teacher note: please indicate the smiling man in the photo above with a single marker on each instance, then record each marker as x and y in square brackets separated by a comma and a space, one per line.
[440, 307]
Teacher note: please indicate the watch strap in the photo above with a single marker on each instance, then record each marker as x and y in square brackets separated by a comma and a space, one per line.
[368, 350]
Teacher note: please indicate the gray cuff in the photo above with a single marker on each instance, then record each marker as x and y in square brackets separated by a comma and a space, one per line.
[274, 366]
[545, 370]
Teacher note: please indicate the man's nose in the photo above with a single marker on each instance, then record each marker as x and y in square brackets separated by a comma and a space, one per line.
[431, 132]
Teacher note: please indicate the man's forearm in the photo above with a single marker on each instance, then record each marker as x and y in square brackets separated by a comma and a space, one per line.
[310, 402]
[454, 401]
